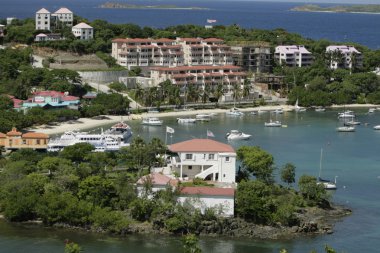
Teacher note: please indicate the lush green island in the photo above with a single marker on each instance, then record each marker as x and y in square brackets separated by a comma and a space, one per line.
[117, 5]
[362, 8]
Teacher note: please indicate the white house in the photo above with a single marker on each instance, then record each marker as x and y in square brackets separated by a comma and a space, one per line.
[293, 56]
[48, 37]
[2, 28]
[221, 200]
[344, 57]
[204, 158]
[43, 19]
[65, 16]
[83, 31]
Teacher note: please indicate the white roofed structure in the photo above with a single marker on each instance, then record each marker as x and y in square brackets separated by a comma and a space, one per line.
[343, 56]
[83, 31]
[293, 56]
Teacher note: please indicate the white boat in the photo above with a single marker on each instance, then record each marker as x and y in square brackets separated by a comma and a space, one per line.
[346, 129]
[235, 112]
[327, 184]
[377, 127]
[186, 120]
[320, 109]
[261, 111]
[346, 114]
[150, 121]
[278, 111]
[352, 123]
[371, 110]
[237, 135]
[254, 113]
[273, 123]
[298, 108]
[102, 142]
[203, 117]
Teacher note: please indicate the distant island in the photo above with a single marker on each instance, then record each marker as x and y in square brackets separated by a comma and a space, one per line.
[116, 5]
[362, 8]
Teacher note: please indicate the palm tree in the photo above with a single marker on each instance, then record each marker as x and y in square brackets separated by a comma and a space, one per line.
[246, 88]
[236, 92]
[219, 92]
[353, 61]
[139, 94]
[192, 93]
[205, 94]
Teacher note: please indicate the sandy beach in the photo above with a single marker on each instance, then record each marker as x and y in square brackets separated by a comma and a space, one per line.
[82, 124]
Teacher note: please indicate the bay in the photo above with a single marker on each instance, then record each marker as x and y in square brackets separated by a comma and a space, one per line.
[339, 27]
[353, 157]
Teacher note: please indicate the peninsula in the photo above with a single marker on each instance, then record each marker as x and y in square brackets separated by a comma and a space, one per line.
[117, 5]
[362, 8]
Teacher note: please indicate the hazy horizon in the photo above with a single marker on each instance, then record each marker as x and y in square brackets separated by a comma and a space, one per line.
[321, 1]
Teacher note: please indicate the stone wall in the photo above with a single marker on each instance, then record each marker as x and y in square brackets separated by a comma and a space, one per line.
[102, 76]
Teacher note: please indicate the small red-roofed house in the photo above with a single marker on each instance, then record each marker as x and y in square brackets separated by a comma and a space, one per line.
[14, 140]
[157, 182]
[221, 200]
[204, 158]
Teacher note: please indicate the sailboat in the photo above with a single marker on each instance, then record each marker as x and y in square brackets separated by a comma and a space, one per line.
[327, 184]
[346, 127]
[298, 108]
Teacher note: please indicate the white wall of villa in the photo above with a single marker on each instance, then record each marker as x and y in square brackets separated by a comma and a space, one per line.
[83, 31]
[45, 20]
[293, 56]
[222, 205]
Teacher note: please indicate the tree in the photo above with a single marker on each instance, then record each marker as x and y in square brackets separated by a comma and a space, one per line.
[219, 92]
[190, 244]
[288, 173]
[257, 161]
[97, 190]
[77, 152]
[253, 201]
[313, 192]
[5, 102]
[71, 247]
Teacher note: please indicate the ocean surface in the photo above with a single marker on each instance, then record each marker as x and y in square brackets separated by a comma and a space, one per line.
[339, 27]
[353, 157]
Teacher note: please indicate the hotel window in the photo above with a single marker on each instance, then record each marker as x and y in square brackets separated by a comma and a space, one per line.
[227, 158]
[211, 156]
[24, 142]
[189, 156]
[38, 142]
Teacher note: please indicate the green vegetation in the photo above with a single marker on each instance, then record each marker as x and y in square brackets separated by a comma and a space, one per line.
[365, 8]
[78, 187]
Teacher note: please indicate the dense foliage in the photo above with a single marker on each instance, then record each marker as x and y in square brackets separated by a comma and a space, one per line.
[97, 190]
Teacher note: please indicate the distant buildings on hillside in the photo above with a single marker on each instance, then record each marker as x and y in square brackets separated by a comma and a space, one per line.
[254, 57]
[63, 17]
[171, 53]
[45, 20]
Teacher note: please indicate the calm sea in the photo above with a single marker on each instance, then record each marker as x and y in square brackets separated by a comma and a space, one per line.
[353, 157]
[340, 27]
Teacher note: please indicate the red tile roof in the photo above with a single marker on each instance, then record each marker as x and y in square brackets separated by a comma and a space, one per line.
[33, 135]
[14, 132]
[137, 40]
[201, 145]
[209, 191]
[3, 135]
[158, 179]
[190, 39]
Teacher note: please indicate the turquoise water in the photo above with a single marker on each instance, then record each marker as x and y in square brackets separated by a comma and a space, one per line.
[353, 157]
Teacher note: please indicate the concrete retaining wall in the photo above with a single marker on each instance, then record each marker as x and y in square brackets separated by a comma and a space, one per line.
[102, 76]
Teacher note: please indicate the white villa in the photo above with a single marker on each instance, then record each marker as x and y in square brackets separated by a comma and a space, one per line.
[83, 31]
[45, 20]
[197, 158]
[293, 56]
[344, 57]
[2, 28]
[204, 158]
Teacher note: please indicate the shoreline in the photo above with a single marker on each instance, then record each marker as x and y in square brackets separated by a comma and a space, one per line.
[82, 124]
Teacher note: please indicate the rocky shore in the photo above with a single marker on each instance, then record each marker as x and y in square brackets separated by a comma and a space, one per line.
[312, 221]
